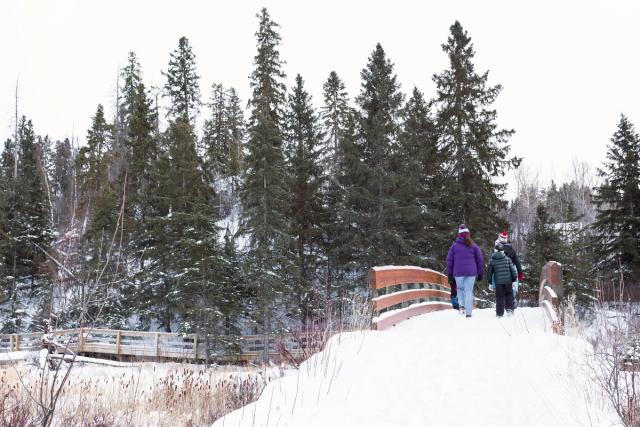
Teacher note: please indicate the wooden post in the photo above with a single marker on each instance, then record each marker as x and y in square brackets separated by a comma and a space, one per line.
[157, 344]
[118, 342]
[195, 347]
[11, 342]
[81, 340]
[17, 341]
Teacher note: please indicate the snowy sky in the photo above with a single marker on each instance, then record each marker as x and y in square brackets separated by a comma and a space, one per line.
[569, 68]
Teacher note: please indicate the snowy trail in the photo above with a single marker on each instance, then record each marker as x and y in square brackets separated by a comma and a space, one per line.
[434, 370]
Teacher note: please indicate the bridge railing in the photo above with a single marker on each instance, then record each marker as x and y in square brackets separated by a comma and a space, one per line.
[148, 344]
[401, 292]
[550, 288]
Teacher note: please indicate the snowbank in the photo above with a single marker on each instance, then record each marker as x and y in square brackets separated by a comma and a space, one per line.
[434, 370]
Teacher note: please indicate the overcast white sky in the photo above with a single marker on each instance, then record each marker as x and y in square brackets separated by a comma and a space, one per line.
[569, 68]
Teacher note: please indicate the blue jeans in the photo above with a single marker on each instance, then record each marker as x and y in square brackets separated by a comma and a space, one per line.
[465, 292]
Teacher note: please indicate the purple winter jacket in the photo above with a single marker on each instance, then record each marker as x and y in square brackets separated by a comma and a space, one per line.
[463, 260]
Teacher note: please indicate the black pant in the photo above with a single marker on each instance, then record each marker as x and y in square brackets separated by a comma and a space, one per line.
[504, 298]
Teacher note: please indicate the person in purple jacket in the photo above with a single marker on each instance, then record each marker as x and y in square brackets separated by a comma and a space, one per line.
[466, 264]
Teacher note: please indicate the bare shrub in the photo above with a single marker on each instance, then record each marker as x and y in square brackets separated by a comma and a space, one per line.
[16, 409]
[355, 313]
[189, 396]
[613, 333]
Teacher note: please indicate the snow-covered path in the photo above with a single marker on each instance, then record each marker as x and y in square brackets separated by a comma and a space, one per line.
[439, 369]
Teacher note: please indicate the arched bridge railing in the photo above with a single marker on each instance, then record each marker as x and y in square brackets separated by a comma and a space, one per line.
[550, 288]
[401, 292]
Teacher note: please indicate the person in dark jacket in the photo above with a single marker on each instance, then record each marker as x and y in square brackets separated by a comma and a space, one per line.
[454, 293]
[502, 274]
[513, 256]
[466, 264]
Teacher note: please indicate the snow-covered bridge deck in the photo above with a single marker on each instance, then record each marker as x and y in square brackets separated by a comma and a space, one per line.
[439, 369]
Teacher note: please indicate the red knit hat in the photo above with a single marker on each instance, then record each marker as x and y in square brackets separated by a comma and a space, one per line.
[503, 237]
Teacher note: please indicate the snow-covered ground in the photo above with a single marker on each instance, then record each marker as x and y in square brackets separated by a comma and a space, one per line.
[439, 369]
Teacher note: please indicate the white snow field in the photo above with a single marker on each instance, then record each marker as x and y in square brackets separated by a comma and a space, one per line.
[438, 369]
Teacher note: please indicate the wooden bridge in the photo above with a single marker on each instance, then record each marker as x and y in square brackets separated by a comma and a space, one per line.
[403, 292]
[147, 345]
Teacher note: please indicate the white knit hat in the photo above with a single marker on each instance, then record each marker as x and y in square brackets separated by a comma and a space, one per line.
[503, 237]
[463, 229]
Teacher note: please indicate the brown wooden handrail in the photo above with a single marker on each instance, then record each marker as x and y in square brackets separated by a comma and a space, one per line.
[145, 344]
[381, 277]
[387, 276]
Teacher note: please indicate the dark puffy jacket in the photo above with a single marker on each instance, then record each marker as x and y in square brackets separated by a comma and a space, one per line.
[501, 269]
[513, 256]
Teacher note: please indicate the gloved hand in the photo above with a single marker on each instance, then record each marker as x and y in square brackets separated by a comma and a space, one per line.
[514, 285]
[492, 287]
[479, 277]
[520, 277]
[452, 280]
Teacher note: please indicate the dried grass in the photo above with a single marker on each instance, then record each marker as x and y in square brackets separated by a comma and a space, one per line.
[189, 396]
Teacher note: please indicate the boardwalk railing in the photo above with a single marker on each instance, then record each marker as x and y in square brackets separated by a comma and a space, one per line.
[147, 344]
[401, 292]
[550, 287]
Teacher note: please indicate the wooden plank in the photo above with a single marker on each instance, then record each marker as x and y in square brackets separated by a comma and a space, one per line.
[195, 347]
[548, 294]
[32, 335]
[385, 301]
[17, 342]
[552, 315]
[118, 343]
[157, 344]
[392, 318]
[64, 332]
[382, 277]
[81, 340]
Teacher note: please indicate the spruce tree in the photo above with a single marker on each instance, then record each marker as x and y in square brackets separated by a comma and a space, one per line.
[338, 127]
[8, 248]
[222, 143]
[419, 181]
[476, 151]
[32, 207]
[6, 241]
[27, 224]
[264, 195]
[303, 140]
[62, 182]
[333, 115]
[99, 203]
[182, 86]
[216, 137]
[544, 243]
[617, 225]
[137, 158]
[131, 76]
[143, 150]
[236, 129]
[182, 248]
[373, 195]
[219, 305]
